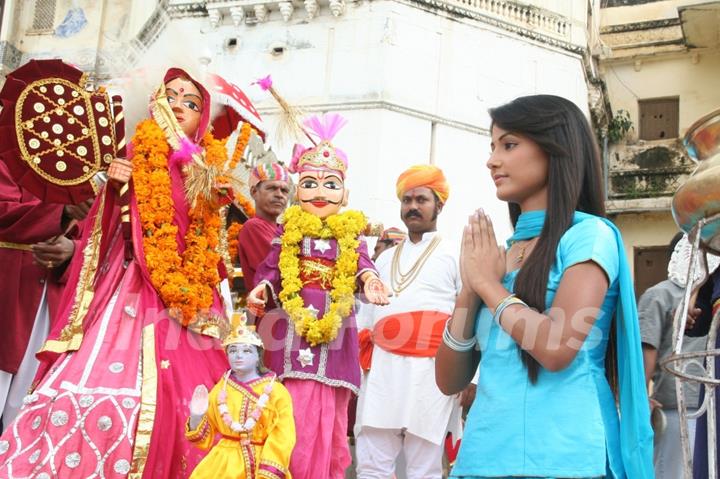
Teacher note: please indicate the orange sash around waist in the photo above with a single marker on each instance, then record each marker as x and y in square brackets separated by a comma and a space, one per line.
[416, 333]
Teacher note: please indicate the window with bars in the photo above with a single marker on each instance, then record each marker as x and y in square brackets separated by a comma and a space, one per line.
[659, 118]
[43, 16]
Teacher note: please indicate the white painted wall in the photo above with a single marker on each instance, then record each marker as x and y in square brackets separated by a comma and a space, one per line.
[383, 55]
[393, 69]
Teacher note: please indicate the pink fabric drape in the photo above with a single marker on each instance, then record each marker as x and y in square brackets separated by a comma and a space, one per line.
[321, 420]
[132, 375]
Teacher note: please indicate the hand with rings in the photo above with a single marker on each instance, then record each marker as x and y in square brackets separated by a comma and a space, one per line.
[53, 252]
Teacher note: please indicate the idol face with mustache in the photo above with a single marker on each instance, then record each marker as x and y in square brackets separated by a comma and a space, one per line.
[321, 192]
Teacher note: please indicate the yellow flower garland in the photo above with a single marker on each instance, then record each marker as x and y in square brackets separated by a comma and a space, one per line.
[184, 282]
[345, 228]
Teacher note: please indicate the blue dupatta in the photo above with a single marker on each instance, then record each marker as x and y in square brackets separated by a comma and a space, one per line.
[636, 435]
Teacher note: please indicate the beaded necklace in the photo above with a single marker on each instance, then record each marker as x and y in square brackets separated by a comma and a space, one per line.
[254, 416]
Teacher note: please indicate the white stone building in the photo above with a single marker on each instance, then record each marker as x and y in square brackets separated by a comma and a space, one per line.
[414, 77]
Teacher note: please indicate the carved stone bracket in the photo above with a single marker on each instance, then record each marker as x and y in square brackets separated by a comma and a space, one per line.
[237, 14]
[515, 16]
[311, 7]
[337, 7]
[286, 10]
[215, 16]
[259, 11]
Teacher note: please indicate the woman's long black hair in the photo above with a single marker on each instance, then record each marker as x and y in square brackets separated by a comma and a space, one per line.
[574, 183]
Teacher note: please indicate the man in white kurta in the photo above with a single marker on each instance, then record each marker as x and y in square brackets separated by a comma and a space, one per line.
[400, 406]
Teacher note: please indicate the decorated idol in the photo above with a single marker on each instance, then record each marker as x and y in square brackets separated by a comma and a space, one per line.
[138, 329]
[312, 272]
[249, 410]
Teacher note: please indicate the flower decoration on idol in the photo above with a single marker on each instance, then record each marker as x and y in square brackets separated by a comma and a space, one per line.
[321, 168]
[241, 138]
[321, 193]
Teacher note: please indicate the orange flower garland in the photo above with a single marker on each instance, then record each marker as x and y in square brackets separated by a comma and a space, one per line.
[185, 282]
[233, 231]
[246, 205]
[241, 144]
[232, 234]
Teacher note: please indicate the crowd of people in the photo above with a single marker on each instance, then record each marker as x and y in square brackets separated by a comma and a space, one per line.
[530, 354]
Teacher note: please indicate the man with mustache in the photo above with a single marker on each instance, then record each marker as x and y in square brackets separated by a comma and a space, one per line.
[270, 187]
[400, 407]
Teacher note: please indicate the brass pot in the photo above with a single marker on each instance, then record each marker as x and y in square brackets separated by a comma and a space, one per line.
[702, 140]
[699, 196]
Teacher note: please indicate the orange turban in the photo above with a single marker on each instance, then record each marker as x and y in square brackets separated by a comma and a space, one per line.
[423, 175]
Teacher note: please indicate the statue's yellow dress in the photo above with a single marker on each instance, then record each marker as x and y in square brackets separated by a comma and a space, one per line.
[262, 453]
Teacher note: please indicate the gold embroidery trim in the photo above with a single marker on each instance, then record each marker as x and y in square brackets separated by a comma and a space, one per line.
[244, 392]
[271, 474]
[210, 325]
[316, 272]
[71, 335]
[200, 432]
[148, 403]
[21, 247]
[86, 99]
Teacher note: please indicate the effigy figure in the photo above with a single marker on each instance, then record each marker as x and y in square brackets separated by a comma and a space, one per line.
[312, 272]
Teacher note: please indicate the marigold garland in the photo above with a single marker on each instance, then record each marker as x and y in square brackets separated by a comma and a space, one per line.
[345, 228]
[185, 282]
[232, 234]
[246, 205]
[241, 144]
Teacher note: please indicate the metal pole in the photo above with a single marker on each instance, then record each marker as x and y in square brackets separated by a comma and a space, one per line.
[684, 360]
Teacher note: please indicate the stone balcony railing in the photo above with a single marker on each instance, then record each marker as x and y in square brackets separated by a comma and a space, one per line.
[250, 12]
[507, 14]
[518, 15]
[647, 169]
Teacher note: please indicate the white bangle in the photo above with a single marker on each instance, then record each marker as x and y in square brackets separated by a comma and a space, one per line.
[458, 345]
[504, 304]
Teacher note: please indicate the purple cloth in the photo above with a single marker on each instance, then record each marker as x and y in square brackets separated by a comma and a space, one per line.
[335, 363]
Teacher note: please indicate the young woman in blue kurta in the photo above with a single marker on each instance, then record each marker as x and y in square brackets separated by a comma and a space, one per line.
[543, 318]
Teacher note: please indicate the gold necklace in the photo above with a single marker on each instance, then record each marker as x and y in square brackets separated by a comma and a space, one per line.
[399, 280]
[521, 256]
